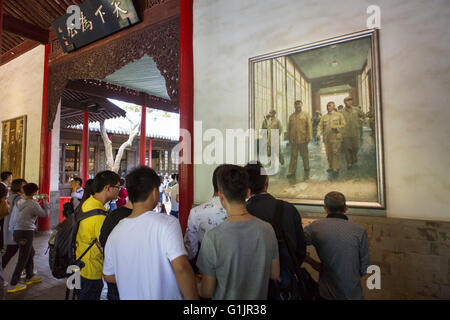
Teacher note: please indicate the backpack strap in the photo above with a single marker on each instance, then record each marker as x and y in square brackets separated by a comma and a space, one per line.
[80, 216]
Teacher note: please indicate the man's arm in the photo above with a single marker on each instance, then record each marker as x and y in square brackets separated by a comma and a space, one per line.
[185, 277]
[191, 237]
[275, 269]
[364, 260]
[207, 286]
[110, 278]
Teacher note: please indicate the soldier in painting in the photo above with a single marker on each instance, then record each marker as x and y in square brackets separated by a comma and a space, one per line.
[331, 126]
[351, 133]
[299, 133]
[274, 124]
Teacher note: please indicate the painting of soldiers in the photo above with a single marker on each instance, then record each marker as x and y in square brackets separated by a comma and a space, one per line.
[300, 133]
[323, 102]
[331, 126]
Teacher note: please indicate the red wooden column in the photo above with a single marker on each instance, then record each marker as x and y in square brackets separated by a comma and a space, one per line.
[85, 148]
[46, 145]
[186, 170]
[150, 153]
[1, 23]
[143, 137]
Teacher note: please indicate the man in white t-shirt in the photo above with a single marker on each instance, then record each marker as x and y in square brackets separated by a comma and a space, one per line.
[145, 253]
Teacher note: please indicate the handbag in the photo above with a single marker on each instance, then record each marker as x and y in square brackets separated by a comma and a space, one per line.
[296, 282]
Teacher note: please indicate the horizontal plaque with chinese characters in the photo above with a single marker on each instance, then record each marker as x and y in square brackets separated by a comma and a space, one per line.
[93, 20]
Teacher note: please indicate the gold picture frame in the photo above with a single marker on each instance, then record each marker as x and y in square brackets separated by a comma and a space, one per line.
[14, 132]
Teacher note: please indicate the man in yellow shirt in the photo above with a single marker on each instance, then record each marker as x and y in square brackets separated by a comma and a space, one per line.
[106, 188]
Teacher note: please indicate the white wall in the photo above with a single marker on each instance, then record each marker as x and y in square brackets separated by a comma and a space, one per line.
[415, 75]
[21, 88]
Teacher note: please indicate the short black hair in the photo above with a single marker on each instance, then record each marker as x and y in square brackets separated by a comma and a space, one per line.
[141, 182]
[122, 182]
[233, 183]
[335, 202]
[103, 179]
[256, 179]
[174, 176]
[79, 180]
[30, 188]
[16, 185]
[214, 178]
[5, 175]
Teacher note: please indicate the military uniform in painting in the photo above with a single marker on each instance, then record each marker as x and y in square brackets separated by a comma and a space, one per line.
[331, 126]
[274, 124]
[299, 133]
[351, 134]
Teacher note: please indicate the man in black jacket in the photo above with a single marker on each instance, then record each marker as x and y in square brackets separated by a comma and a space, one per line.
[264, 206]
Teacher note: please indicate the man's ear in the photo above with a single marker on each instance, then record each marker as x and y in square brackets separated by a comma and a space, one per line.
[266, 184]
[345, 210]
[326, 209]
[249, 193]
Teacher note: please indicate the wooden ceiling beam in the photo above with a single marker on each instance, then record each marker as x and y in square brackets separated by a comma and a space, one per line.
[24, 29]
[35, 16]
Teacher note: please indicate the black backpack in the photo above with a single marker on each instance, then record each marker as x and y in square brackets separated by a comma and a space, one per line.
[298, 283]
[62, 246]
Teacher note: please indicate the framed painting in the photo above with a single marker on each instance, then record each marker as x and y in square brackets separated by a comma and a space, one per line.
[13, 146]
[315, 111]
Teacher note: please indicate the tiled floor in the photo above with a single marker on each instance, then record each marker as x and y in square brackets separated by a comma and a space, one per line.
[50, 288]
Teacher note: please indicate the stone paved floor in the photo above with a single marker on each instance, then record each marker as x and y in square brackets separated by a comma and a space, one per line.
[50, 288]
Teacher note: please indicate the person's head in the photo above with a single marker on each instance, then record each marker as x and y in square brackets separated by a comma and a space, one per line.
[122, 182]
[174, 176]
[3, 192]
[6, 177]
[267, 116]
[214, 178]
[233, 185]
[76, 183]
[258, 180]
[298, 105]
[348, 101]
[330, 106]
[335, 203]
[17, 186]
[340, 107]
[317, 113]
[272, 113]
[143, 187]
[30, 189]
[87, 190]
[106, 185]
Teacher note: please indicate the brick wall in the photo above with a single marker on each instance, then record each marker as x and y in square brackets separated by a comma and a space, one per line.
[414, 256]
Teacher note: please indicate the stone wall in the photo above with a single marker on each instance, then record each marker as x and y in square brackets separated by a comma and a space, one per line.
[414, 256]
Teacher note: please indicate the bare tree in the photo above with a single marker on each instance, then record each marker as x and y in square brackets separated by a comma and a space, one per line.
[111, 163]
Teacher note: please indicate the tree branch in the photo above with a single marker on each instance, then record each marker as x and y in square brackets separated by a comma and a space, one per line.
[108, 146]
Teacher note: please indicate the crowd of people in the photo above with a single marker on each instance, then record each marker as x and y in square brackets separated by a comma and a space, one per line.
[19, 212]
[241, 244]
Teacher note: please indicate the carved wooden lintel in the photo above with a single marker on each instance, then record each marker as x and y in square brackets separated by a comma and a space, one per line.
[160, 41]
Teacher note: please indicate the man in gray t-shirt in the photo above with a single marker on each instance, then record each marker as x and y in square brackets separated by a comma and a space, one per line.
[238, 257]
